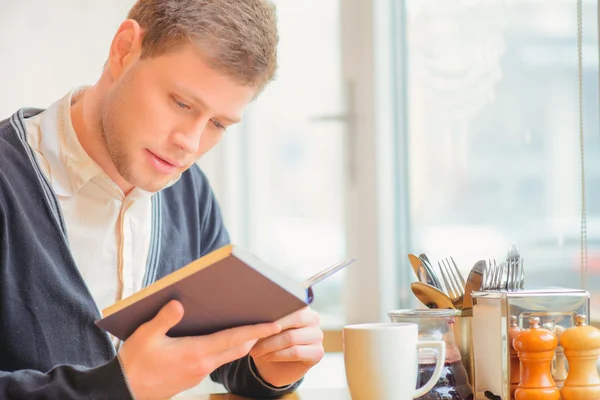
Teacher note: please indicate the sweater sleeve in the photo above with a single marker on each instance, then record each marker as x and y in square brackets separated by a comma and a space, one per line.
[66, 382]
[241, 377]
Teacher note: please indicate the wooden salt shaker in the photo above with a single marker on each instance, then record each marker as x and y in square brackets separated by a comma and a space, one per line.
[515, 370]
[560, 372]
[535, 347]
[559, 369]
[582, 347]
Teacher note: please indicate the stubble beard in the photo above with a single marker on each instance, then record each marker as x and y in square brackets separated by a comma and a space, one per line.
[115, 140]
[115, 147]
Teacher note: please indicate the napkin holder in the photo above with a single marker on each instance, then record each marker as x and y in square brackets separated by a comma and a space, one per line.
[490, 329]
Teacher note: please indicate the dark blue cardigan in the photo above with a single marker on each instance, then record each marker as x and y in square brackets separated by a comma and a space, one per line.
[49, 345]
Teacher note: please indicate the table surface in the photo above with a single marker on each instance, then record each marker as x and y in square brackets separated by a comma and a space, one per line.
[308, 394]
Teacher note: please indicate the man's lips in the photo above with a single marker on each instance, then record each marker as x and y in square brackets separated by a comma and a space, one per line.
[162, 165]
[167, 160]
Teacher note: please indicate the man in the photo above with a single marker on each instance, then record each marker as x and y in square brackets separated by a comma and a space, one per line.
[100, 196]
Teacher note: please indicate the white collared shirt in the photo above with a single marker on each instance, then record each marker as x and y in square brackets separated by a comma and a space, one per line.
[108, 232]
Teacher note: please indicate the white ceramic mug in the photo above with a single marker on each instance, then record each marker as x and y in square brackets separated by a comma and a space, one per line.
[382, 364]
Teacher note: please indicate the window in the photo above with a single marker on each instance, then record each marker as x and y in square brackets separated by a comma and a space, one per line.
[280, 175]
[493, 135]
[464, 138]
[42, 58]
[283, 180]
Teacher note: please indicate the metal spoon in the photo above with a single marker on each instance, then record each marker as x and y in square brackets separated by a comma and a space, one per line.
[434, 275]
[474, 283]
[431, 296]
[424, 273]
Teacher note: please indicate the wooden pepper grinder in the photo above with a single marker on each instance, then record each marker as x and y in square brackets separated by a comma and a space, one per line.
[515, 363]
[582, 347]
[535, 347]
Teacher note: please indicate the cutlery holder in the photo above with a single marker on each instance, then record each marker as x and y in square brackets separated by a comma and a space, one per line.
[491, 322]
[461, 330]
[463, 335]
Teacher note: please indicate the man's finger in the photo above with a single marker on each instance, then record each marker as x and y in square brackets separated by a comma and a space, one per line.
[289, 338]
[235, 337]
[299, 319]
[166, 318]
[311, 354]
[231, 354]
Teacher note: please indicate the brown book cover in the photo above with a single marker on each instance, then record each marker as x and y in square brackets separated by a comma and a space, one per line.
[223, 289]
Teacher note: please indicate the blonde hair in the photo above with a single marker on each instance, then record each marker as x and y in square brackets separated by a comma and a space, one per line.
[238, 37]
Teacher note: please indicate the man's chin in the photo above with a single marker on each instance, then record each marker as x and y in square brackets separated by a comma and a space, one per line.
[154, 184]
[148, 179]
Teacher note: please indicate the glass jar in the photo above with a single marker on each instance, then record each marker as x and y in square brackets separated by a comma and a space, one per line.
[437, 324]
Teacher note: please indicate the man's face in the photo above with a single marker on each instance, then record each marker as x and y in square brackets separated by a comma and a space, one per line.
[165, 112]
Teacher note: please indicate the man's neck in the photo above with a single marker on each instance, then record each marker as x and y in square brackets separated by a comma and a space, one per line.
[85, 118]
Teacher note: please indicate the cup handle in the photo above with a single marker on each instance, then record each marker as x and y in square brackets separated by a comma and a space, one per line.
[440, 346]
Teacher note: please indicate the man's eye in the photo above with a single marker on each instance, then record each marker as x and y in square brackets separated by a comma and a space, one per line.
[181, 105]
[218, 124]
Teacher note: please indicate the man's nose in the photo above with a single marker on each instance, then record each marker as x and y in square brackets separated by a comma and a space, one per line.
[188, 139]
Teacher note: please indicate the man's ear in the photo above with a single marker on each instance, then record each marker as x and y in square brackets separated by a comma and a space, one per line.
[125, 49]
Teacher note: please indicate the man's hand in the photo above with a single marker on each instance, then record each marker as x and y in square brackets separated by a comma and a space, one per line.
[159, 367]
[284, 358]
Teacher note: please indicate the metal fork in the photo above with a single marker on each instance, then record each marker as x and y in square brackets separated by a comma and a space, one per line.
[519, 274]
[455, 283]
[488, 274]
[496, 276]
[515, 274]
[507, 275]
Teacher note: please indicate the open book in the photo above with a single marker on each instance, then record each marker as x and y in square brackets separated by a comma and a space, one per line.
[223, 289]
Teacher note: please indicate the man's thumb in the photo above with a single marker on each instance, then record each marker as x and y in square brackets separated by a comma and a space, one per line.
[167, 317]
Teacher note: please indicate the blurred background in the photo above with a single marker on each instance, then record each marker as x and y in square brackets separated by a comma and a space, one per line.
[393, 127]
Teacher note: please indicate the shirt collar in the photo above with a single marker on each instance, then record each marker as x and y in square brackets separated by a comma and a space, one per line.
[71, 167]
[70, 164]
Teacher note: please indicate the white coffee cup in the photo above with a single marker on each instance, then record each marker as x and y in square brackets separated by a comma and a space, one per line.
[381, 361]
